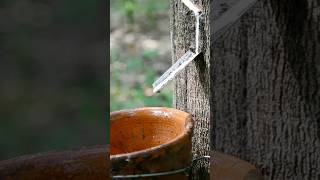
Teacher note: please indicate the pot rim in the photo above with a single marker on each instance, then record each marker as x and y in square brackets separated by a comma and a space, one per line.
[187, 130]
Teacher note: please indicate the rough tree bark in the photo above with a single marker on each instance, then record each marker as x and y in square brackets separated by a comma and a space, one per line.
[256, 87]
[192, 86]
[265, 79]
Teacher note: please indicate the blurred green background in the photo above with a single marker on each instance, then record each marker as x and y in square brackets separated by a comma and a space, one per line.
[53, 80]
[140, 53]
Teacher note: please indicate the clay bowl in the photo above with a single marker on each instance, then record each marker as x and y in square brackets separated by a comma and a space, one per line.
[86, 163]
[150, 140]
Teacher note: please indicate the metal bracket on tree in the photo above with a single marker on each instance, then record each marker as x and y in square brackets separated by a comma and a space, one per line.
[220, 26]
[186, 58]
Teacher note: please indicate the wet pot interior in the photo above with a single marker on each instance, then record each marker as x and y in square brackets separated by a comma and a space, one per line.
[140, 129]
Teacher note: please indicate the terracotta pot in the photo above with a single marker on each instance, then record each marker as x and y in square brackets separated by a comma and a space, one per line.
[150, 140]
[86, 163]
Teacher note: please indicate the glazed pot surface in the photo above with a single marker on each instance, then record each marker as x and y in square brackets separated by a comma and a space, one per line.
[137, 130]
[150, 140]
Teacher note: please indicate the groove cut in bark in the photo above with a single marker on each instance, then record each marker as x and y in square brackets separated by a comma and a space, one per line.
[192, 86]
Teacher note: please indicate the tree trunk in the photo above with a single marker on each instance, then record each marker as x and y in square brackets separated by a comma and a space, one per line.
[192, 87]
[265, 87]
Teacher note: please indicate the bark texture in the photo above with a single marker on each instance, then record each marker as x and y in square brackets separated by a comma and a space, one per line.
[265, 79]
[192, 87]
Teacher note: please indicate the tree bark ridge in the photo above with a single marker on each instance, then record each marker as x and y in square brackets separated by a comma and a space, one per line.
[192, 86]
[265, 89]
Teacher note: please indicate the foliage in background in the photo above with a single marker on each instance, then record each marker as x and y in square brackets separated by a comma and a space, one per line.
[135, 9]
[135, 88]
[132, 74]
